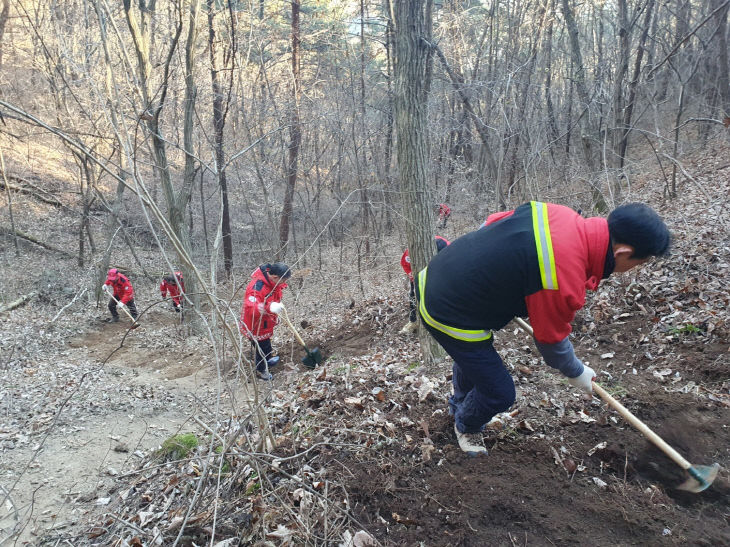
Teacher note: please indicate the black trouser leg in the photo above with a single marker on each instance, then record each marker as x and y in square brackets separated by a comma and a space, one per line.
[262, 350]
[412, 302]
[132, 308]
[113, 308]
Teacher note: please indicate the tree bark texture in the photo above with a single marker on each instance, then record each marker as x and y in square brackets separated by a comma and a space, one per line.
[295, 134]
[412, 19]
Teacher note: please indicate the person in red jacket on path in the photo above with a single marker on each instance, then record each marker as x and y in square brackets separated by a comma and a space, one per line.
[173, 284]
[260, 313]
[405, 263]
[444, 212]
[535, 261]
[123, 294]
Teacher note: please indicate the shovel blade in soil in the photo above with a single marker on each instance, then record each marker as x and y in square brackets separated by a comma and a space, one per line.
[312, 358]
[701, 477]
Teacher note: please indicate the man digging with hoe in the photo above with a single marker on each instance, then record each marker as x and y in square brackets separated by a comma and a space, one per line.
[535, 261]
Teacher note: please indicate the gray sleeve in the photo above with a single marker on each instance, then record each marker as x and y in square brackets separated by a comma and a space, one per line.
[562, 357]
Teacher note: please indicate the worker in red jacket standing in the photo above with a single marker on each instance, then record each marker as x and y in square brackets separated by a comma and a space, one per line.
[535, 261]
[173, 284]
[260, 313]
[405, 263]
[444, 212]
[123, 294]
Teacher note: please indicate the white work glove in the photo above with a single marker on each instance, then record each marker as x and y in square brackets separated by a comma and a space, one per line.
[276, 307]
[120, 306]
[584, 380]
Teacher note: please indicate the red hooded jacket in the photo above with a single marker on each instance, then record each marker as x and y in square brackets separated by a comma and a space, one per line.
[257, 320]
[537, 260]
[172, 288]
[405, 260]
[579, 245]
[123, 290]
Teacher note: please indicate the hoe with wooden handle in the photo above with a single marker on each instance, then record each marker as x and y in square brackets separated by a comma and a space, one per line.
[135, 324]
[313, 357]
[700, 476]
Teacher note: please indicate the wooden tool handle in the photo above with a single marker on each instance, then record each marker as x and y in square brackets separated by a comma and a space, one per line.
[124, 308]
[641, 426]
[675, 456]
[286, 318]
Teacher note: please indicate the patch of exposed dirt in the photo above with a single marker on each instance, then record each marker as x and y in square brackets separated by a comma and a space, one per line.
[166, 355]
[522, 494]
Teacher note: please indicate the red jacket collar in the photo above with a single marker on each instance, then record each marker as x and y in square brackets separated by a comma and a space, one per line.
[258, 274]
[597, 239]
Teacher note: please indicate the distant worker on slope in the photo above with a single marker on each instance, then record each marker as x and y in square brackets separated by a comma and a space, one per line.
[259, 314]
[444, 212]
[174, 285]
[122, 294]
[405, 262]
[535, 261]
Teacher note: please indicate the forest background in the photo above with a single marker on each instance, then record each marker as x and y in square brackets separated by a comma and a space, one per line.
[212, 136]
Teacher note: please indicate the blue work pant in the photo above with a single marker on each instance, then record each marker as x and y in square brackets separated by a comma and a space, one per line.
[482, 385]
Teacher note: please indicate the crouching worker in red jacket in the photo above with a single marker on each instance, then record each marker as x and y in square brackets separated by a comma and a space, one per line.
[173, 284]
[123, 294]
[405, 263]
[260, 313]
[535, 261]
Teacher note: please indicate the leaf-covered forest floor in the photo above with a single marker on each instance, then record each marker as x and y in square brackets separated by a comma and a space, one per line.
[365, 451]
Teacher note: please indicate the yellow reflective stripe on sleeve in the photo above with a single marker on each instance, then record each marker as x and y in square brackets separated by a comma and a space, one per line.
[459, 334]
[544, 245]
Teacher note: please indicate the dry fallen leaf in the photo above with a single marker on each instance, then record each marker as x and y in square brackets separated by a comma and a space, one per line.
[403, 520]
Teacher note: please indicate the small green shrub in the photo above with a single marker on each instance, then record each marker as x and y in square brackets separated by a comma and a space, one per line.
[179, 447]
[689, 328]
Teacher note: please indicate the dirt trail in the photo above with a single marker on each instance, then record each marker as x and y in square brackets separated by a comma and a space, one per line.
[116, 416]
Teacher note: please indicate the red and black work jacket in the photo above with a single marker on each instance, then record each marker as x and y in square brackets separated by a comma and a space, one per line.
[405, 260]
[535, 261]
[444, 211]
[172, 288]
[123, 290]
[257, 320]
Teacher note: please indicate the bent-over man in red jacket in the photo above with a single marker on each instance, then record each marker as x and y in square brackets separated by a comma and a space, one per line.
[123, 294]
[535, 261]
[260, 313]
[173, 284]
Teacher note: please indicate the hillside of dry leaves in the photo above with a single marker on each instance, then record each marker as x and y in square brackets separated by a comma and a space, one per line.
[364, 451]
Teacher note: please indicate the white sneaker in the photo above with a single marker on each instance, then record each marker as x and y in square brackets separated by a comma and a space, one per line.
[471, 443]
[409, 328]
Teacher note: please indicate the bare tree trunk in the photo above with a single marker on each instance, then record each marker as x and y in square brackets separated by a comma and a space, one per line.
[295, 134]
[219, 122]
[721, 50]
[10, 203]
[622, 69]
[548, 78]
[412, 19]
[177, 201]
[634, 84]
[4, 16]
[389, 39]
[579, 75]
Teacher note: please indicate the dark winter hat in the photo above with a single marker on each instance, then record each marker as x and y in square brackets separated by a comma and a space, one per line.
[278, 268]
[638, 225]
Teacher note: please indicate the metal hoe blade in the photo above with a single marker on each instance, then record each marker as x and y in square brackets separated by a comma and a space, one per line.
[701, 477]
[312, 358]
